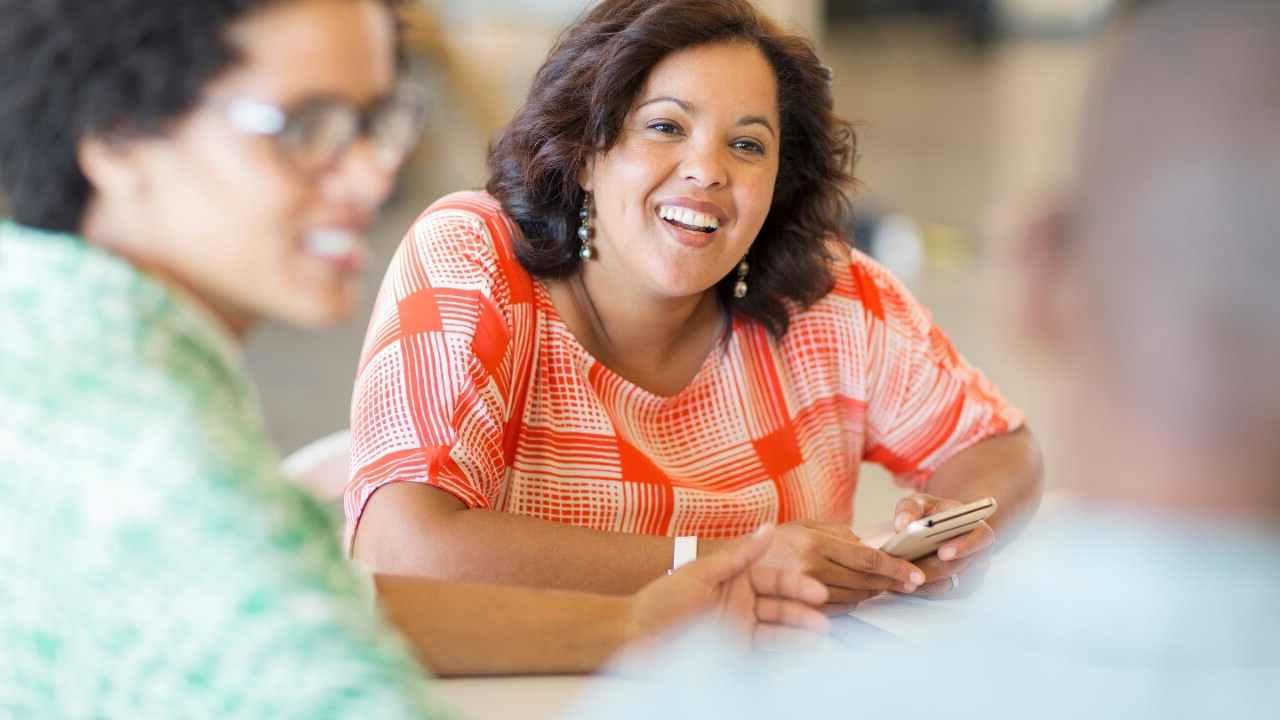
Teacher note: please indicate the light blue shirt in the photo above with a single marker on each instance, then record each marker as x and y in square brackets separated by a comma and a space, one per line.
[1094, 614]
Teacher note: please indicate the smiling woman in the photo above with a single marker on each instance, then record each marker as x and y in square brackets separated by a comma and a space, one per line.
[649, 327]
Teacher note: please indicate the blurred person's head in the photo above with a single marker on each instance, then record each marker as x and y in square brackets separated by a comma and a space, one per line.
[236, 148]
[1161, 275]
[650, 105]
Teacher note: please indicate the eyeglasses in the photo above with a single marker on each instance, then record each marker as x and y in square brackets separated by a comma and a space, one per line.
[315, 134]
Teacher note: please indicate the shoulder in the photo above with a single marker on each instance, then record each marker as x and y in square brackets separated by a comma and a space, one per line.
[461, 220]
[865, 291]
[465, 239]
[149, 388]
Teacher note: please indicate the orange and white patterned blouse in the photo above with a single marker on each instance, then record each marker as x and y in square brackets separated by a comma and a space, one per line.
[469, 381]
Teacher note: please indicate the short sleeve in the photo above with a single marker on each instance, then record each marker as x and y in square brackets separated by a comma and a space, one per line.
[434, 385]
[925, 403]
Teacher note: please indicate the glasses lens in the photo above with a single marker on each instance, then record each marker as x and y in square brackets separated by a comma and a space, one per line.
[317, 134]
[397, 126]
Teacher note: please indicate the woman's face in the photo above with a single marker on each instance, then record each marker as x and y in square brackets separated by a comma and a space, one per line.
[683, 193]
[229, 214]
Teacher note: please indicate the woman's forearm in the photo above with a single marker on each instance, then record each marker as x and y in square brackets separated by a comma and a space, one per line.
[410, 529]
[466, 629]
[1007, 467]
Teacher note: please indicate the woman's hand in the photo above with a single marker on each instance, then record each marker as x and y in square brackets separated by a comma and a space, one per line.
[770, 606]
[961, 563]
[833, 555]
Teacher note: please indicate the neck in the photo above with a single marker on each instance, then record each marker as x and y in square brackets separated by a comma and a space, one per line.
[99, 231]
[638, 327]
[656, 343]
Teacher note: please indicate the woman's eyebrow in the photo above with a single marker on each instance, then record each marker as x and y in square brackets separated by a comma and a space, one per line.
[684, 105]
[758, 120]
[688, 107]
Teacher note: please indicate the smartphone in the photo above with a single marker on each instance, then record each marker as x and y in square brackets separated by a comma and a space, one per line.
[925, 535]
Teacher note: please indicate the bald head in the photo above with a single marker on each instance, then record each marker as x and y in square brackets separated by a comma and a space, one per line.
[1176, 233]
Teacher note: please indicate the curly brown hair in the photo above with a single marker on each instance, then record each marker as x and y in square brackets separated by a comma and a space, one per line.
[582, 94]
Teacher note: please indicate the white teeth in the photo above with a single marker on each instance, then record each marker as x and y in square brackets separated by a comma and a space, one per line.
[686, 216]
[331, 243]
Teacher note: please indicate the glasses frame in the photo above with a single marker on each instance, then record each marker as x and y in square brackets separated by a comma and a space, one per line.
[274, 121]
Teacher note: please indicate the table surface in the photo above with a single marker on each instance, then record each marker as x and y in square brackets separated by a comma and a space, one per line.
[527, 697]
[547, 697]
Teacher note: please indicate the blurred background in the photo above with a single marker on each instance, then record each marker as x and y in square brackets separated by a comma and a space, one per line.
[966, 112]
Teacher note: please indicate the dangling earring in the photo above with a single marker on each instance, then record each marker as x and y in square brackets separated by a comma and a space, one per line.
[740, 288]
[586, 252]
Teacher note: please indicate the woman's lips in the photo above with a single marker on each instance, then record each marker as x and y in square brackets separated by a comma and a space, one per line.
[689, 238]
[344, 249]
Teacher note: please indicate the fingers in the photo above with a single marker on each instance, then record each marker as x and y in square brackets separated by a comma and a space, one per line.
[918, 505]
[937, 570]
[938, 589]
[838, 609]
[733, 559]
[971, 543]
[841, 579]
[850, 598]
[908, 510]
[776, 611]
[789, 584]
[959, 585]
[859, 561]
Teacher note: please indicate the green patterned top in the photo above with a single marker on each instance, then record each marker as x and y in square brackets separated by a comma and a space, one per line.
[152, 561]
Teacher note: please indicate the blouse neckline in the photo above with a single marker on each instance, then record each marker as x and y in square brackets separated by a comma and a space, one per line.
[709, 368]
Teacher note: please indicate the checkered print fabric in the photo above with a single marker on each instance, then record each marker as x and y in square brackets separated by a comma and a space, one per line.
[469, 381]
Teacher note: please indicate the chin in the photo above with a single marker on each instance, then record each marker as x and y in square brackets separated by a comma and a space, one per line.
[679, 285]
[319, 312]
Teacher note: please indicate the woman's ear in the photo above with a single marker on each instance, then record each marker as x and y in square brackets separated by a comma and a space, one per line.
[586, 173]
[112, 168]
[116, 171]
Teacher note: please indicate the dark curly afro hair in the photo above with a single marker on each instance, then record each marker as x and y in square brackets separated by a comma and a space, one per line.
[71, 69]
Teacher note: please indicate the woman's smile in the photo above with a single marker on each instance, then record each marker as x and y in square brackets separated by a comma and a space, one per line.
[693, 223]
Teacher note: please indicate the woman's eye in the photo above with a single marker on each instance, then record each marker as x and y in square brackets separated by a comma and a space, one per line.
[750, 146]
[664, 127]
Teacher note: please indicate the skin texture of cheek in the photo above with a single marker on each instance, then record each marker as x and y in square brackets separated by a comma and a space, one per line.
[243, 260]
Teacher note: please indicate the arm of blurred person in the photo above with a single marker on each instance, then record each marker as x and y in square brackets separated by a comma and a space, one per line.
[1006, 467]
[467, 629]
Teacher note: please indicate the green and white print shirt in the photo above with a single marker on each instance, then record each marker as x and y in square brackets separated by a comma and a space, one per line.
[152, 561]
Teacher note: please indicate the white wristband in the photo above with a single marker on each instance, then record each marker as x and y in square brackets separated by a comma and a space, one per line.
[685, 551]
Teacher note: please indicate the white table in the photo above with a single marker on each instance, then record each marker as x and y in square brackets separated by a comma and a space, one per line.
[550, 696]
[525, 697]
